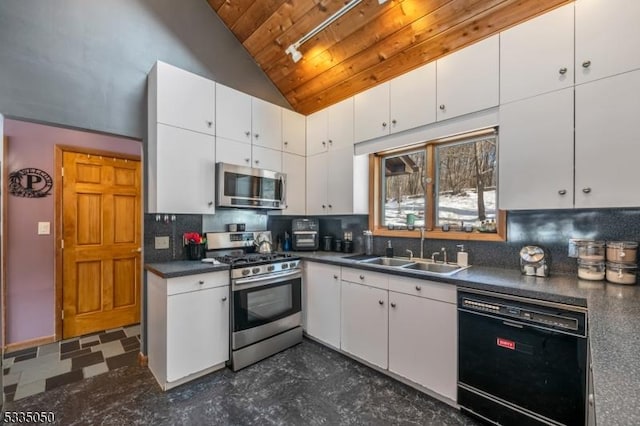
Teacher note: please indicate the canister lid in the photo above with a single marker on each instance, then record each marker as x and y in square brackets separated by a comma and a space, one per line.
[622, 244]
[590, 262]
[590, 243]
[615, 266]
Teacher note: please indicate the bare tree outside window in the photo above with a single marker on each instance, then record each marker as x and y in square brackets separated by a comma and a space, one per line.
[404, 189]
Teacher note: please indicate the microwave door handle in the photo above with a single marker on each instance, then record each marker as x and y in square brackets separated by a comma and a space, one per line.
[283, 191]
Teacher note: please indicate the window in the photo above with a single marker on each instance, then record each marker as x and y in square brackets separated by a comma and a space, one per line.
[447, 186]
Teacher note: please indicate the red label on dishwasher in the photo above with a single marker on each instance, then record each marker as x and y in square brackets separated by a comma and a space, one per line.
[504, 343]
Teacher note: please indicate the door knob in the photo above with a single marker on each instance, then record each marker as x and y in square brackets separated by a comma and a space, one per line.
[137, 250]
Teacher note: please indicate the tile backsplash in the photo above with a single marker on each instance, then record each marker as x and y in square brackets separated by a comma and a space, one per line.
[174, 229]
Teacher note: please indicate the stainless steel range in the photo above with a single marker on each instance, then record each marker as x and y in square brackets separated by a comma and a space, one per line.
[266, 298]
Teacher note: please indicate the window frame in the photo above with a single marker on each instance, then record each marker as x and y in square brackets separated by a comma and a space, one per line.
[431, 231]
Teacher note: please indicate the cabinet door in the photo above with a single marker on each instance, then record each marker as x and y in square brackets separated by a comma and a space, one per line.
[185, 170]
[364, 328]
[423, 342]
[468, 80]
[266, 158]
[607, 146]
[340, 124]
[317, 184]
[184, 99]
[266, 122]
[536, 152]
[233, 114]
[607, 38]
[293, 167]
[371, 118]
[233, 152]
[340, 181]
[317, 125]
[294, 131]
[323, 302]
[197, 331]
[535, 60]
[412, 99]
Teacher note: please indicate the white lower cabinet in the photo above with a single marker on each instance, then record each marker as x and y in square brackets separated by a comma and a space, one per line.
[322, 308]
[365, 320]
[423, 342]
[188, 326]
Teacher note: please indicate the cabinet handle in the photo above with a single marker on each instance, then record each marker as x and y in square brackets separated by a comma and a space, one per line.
[247, 160]
[210, 203]
[362, 277]
[324, 207]
[224, 299]
[247, 133]
[393, 121]
[380, 302]
[324, 143]
[586, 190]
[286, 143]
[442, 107]
[393, 305]
[562, 70]
[562, 191]
[586, 64]
[330, 141]
[257, 136]
[257, 161]
[209, 123]
[201, 282]
[418, 288]
[384, 124]
[335, 277]
[330, 206]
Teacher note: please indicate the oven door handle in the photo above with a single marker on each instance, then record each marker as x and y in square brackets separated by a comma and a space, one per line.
[246, 283]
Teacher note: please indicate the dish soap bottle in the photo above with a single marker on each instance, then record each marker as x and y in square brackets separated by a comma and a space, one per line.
[389, 249]
[287, 242]
[462, 258]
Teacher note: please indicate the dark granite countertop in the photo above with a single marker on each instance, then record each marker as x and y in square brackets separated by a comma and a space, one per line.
[181, 268]
[613, 321]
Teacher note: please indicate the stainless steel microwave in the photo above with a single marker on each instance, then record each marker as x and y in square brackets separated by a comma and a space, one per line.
[248, 187]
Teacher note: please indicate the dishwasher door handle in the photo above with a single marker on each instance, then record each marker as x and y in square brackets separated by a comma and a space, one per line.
[512, 324]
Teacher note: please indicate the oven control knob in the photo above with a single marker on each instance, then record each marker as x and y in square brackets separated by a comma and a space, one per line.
[245, 272]
[285, 265]
[255, 270]
[270, 268]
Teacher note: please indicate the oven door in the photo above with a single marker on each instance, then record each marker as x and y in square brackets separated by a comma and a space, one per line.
[265, 306]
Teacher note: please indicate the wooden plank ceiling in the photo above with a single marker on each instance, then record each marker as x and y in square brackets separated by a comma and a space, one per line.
[372, 43]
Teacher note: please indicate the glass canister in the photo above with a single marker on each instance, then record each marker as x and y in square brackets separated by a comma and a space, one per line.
[622, 251]
[368, 242]
[621, 273]
[593, 270]
[591, 250]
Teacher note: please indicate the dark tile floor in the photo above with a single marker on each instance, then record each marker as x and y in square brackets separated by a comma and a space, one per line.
[304, 385]
[31, 371]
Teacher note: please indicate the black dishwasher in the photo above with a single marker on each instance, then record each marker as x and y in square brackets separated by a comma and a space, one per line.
[521, 361]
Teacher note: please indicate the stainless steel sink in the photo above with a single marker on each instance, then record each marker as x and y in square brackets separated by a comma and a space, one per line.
[436, 268]
[388, 261]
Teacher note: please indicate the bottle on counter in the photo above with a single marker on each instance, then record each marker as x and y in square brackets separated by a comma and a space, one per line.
[389, 249]
[368, 242]
[287, 242]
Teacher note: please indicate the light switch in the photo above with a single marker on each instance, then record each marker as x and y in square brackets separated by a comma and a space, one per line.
[162, 243]
[44, 228]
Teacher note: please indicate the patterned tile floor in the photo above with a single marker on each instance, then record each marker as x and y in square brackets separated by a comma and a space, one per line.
[31, 371]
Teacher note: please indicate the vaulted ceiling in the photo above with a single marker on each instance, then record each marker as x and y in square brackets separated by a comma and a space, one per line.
[370, 44]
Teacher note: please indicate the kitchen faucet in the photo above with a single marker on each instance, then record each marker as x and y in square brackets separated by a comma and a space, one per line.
[433, 256]
[410, 254]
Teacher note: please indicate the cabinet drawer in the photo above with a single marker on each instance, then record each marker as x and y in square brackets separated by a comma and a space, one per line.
[359, 276]
[197, 282]
[423, 288]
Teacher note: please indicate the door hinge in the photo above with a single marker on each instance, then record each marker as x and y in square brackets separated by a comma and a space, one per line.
[62, 171]
[62, 244]
[62, 314]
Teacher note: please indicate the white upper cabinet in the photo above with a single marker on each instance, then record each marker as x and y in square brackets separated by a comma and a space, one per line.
[293, 132]
[233, 115]
[266, 124]
[265, 158]
[294, 167]
[536, 152]
[412, 99]
[607, 149]
[233, 152]
[317, 184]
[607, 38]
[468, 80]
[330, 128]
[183, 99]
[371, 118]
[403, 103]
[537, 56]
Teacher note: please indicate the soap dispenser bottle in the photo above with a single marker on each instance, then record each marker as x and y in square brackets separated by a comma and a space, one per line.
[462, 257]
[389, 249]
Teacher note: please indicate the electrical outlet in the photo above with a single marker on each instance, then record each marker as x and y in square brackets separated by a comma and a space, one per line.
[162, 243]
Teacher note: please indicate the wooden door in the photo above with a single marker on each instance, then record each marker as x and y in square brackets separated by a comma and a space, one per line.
[101, 243]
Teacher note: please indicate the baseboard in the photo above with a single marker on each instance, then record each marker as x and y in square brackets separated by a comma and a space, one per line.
[143, 360]
[12, 347]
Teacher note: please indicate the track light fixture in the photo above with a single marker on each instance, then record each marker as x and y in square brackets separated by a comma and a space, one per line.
[292, 50]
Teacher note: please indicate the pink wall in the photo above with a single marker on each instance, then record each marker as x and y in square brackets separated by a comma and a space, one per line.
[30, 294]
